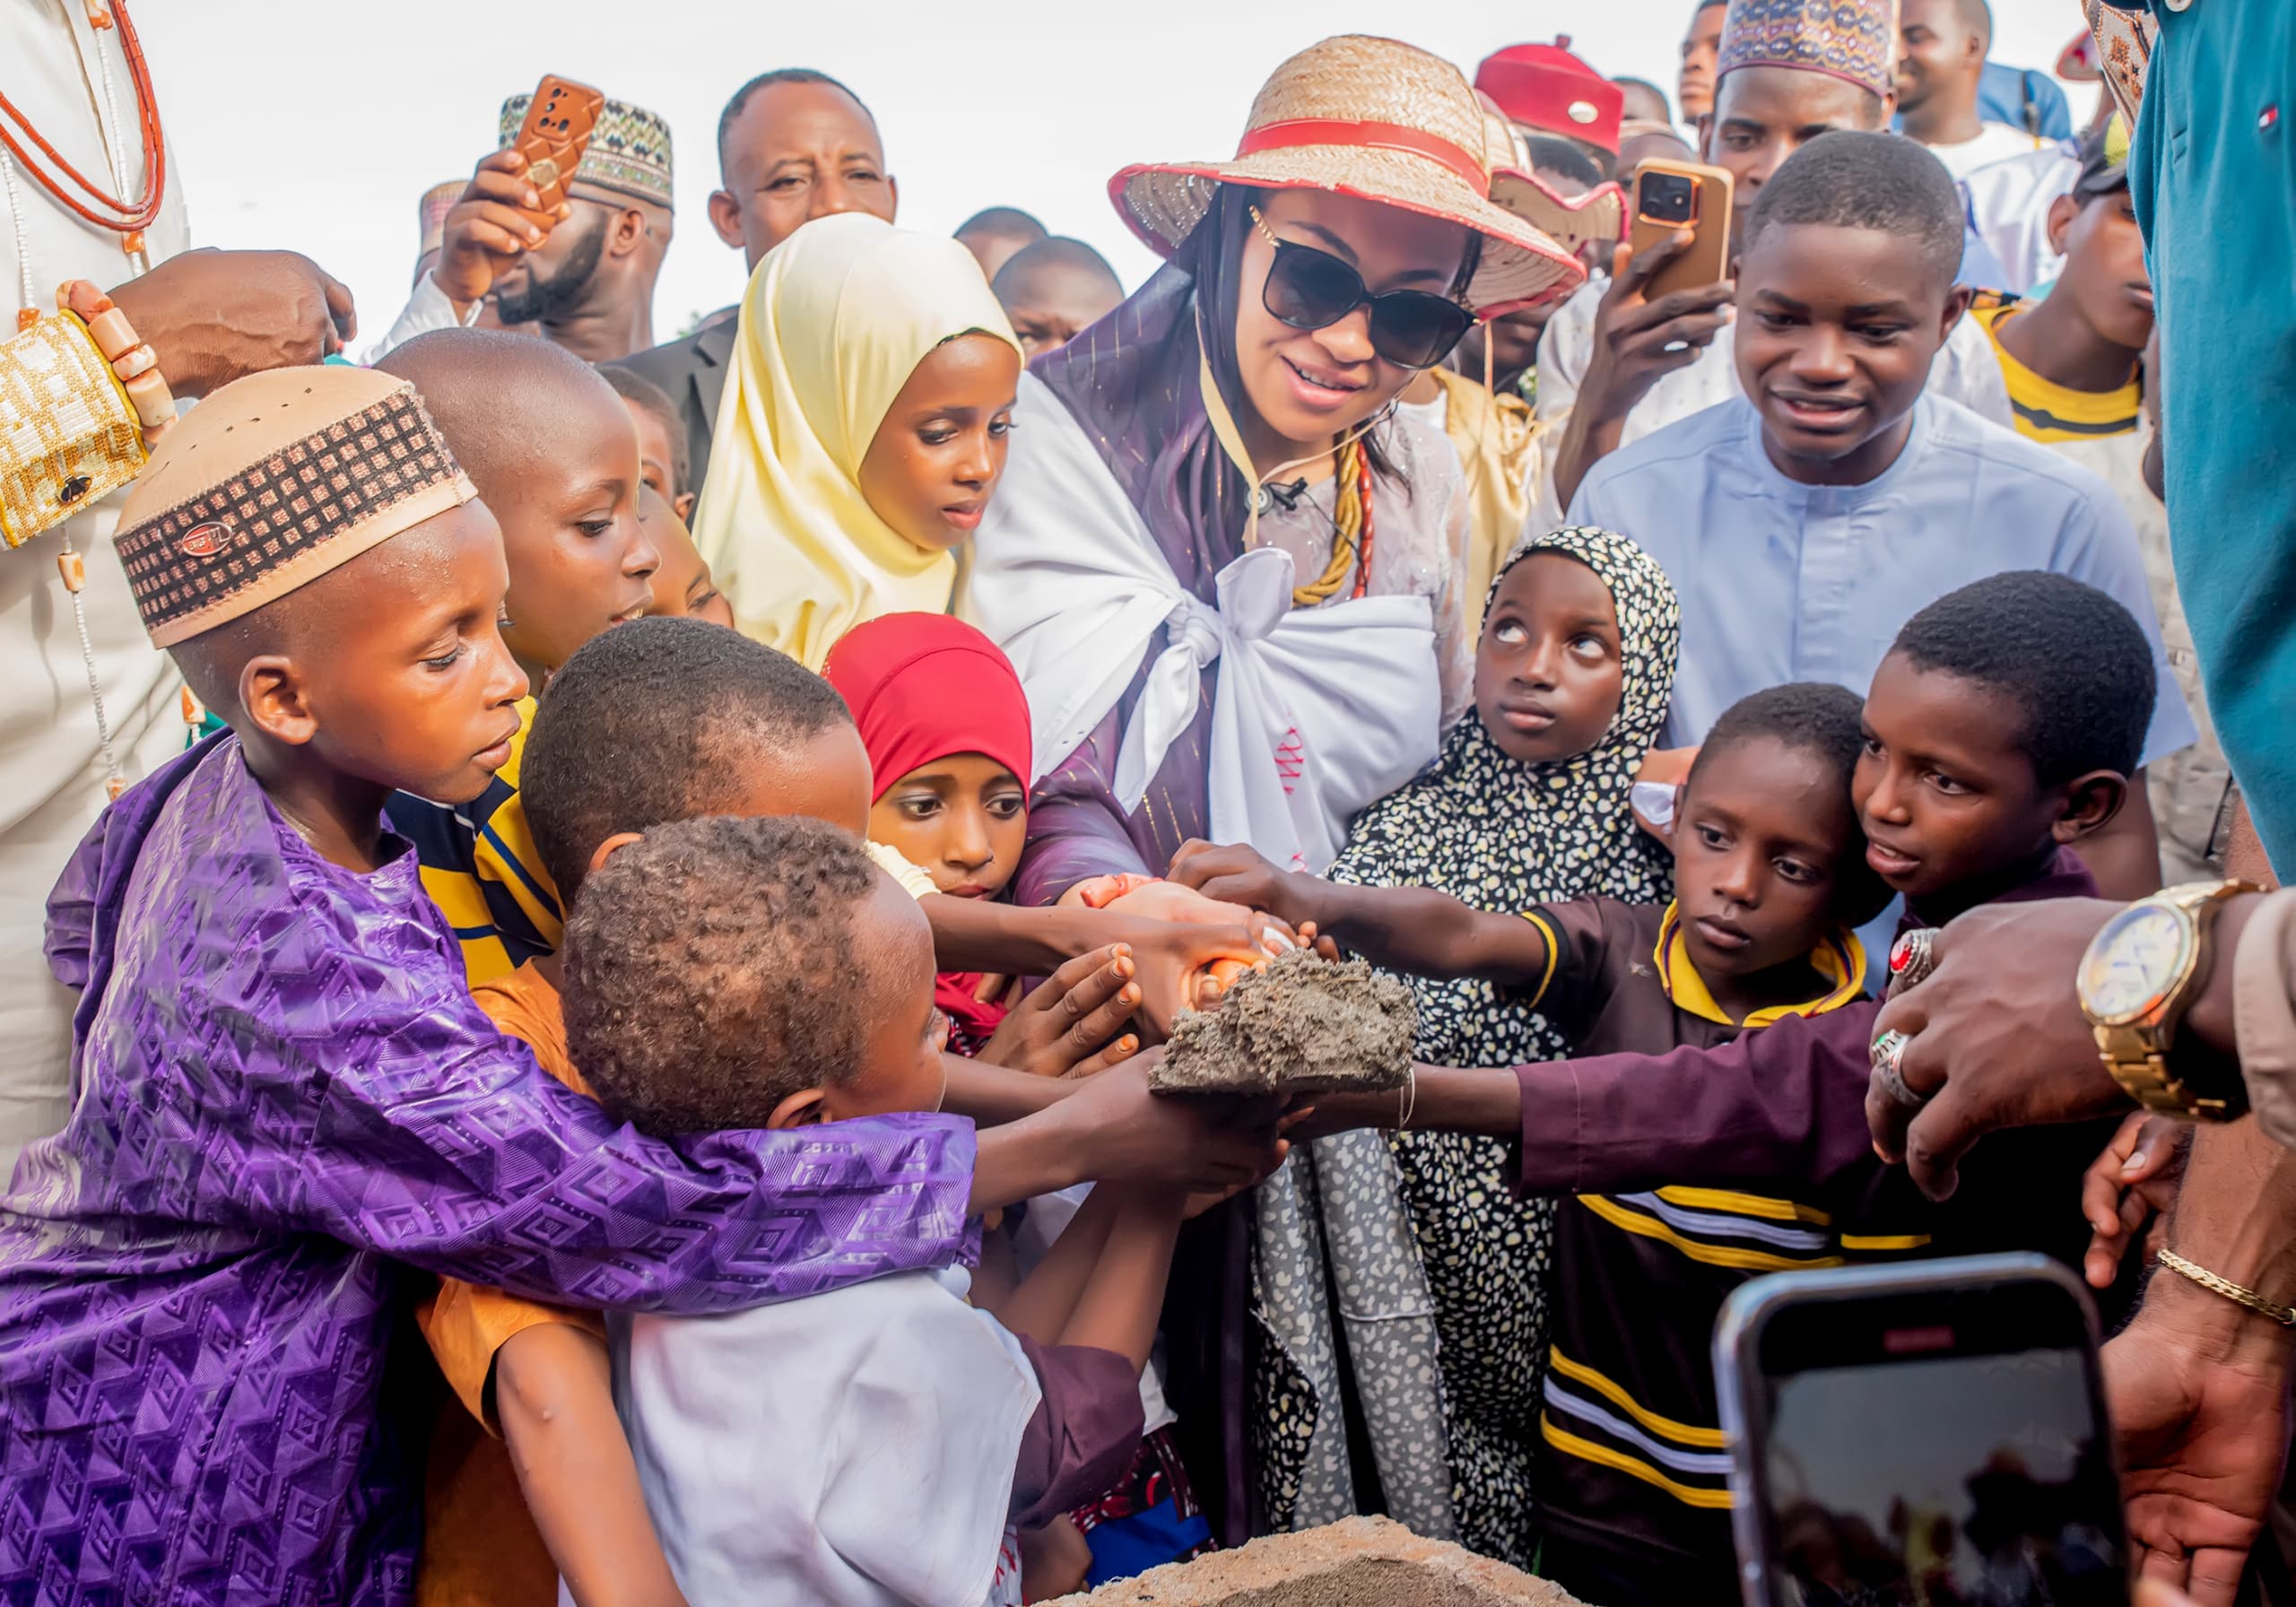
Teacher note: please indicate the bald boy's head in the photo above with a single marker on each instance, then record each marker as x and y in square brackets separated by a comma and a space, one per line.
[496, 395]
[552, 451]
[1054, 289]
[994, 233]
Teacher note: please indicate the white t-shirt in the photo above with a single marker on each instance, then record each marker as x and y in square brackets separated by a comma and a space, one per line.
[2007, 205]
[1995, 142]
[853, 1448]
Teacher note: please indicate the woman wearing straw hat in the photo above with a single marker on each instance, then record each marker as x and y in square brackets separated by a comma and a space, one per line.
[1229, 579]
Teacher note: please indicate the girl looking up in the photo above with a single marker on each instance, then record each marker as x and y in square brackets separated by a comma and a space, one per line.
[862, 432]
[1528, 806]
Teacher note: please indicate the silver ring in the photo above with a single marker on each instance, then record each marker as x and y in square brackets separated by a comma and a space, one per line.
[1888, 1057]
[1912, 958]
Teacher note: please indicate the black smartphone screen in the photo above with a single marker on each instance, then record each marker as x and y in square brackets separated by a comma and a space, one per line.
[1944, 1450]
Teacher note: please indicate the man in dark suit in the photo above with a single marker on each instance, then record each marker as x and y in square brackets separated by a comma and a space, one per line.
[793, 145]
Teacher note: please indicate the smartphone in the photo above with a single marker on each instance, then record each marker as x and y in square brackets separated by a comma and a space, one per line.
[556, 132]
[1672, 196]
[1919, 1436]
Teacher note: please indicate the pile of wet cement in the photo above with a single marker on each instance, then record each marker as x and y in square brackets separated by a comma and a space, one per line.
[1300, 1024]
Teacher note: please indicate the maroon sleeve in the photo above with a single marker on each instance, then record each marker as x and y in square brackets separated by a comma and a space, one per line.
[1085, 1433]
[1782, 1106]
[1583, 935]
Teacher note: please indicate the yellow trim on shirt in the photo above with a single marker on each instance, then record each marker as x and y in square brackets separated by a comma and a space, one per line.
[1553, 954]
[1690, 1494]
[1723, 1199]
[1884, 1241]
[1729, 1256]
[1839, 957]
[2051, 412]
[1686, 1433]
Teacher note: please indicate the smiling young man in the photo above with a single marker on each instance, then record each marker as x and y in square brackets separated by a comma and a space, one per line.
[1805, 522]
[1616, 365]
[793, 145]
[1942, 45]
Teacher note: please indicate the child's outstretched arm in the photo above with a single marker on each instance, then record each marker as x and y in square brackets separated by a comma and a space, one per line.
[554, 1396]
[1040, 1306]
[1117, 1308]
[1411, 929]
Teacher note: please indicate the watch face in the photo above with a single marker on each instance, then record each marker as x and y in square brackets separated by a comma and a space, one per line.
[2133, 961]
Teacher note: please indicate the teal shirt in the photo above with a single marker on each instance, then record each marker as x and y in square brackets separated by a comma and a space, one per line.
[2212, 169]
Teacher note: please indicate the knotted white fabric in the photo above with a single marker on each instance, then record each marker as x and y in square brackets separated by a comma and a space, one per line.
[1316, 711]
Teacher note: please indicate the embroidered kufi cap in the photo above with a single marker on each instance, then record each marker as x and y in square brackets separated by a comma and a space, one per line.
[628, 150]
[273, 482]
[1851, 39]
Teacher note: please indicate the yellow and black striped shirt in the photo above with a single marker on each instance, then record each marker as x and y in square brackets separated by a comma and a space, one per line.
[1634, 1470]
[2050, 413]
[481, 869]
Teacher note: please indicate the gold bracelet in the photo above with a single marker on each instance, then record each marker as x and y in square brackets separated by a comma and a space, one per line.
[1409, 1102]
[2284, 1315]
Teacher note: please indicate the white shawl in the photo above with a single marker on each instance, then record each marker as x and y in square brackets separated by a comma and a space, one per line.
[1317, 711]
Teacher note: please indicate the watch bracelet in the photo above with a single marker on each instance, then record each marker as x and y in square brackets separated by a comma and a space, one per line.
[2284, 1315]
[2147, 1079]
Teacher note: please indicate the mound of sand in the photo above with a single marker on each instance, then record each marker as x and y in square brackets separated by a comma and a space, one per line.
[1300, 1024]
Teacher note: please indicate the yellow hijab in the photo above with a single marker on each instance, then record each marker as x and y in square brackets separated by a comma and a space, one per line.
[835, 320]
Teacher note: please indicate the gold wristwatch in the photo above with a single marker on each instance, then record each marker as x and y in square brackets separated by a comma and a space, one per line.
[2139, 977]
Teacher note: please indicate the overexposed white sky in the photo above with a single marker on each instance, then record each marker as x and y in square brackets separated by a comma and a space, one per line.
[316, 125]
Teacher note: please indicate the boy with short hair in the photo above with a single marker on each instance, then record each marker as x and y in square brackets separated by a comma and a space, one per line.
[579, 561]
[904, 1435]
[1617, 364]
[1809, 518]
[1054, 289]
[284, 1094]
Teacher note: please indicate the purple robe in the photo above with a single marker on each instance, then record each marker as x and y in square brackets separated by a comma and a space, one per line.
[284, 1099]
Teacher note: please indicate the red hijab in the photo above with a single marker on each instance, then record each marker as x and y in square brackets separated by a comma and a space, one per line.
[922, 687]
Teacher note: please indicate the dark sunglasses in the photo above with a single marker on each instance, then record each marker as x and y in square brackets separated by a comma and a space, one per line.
[1308, 288]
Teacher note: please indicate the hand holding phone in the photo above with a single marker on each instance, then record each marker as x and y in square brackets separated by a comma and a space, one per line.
[1920, 1435]
[1676, 197]
[517, 194]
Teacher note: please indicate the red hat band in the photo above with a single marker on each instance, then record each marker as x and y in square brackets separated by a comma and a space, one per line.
[1297, 132]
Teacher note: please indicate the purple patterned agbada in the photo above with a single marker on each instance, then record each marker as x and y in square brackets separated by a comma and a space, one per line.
[283, 1092]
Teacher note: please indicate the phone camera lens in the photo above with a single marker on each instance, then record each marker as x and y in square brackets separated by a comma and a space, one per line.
[1664, 197]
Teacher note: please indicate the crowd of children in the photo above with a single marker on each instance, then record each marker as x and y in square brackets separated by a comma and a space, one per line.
[694, 856]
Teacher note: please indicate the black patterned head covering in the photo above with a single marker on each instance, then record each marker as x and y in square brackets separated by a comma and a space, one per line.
[1503, 834]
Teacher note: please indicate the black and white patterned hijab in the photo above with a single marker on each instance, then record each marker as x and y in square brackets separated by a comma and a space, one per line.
[1503, 834]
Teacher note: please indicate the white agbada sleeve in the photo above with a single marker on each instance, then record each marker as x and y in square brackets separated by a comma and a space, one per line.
[427, 309]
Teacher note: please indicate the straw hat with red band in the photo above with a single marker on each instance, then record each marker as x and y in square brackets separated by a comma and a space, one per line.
[1596, 218]
[1376, 120]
